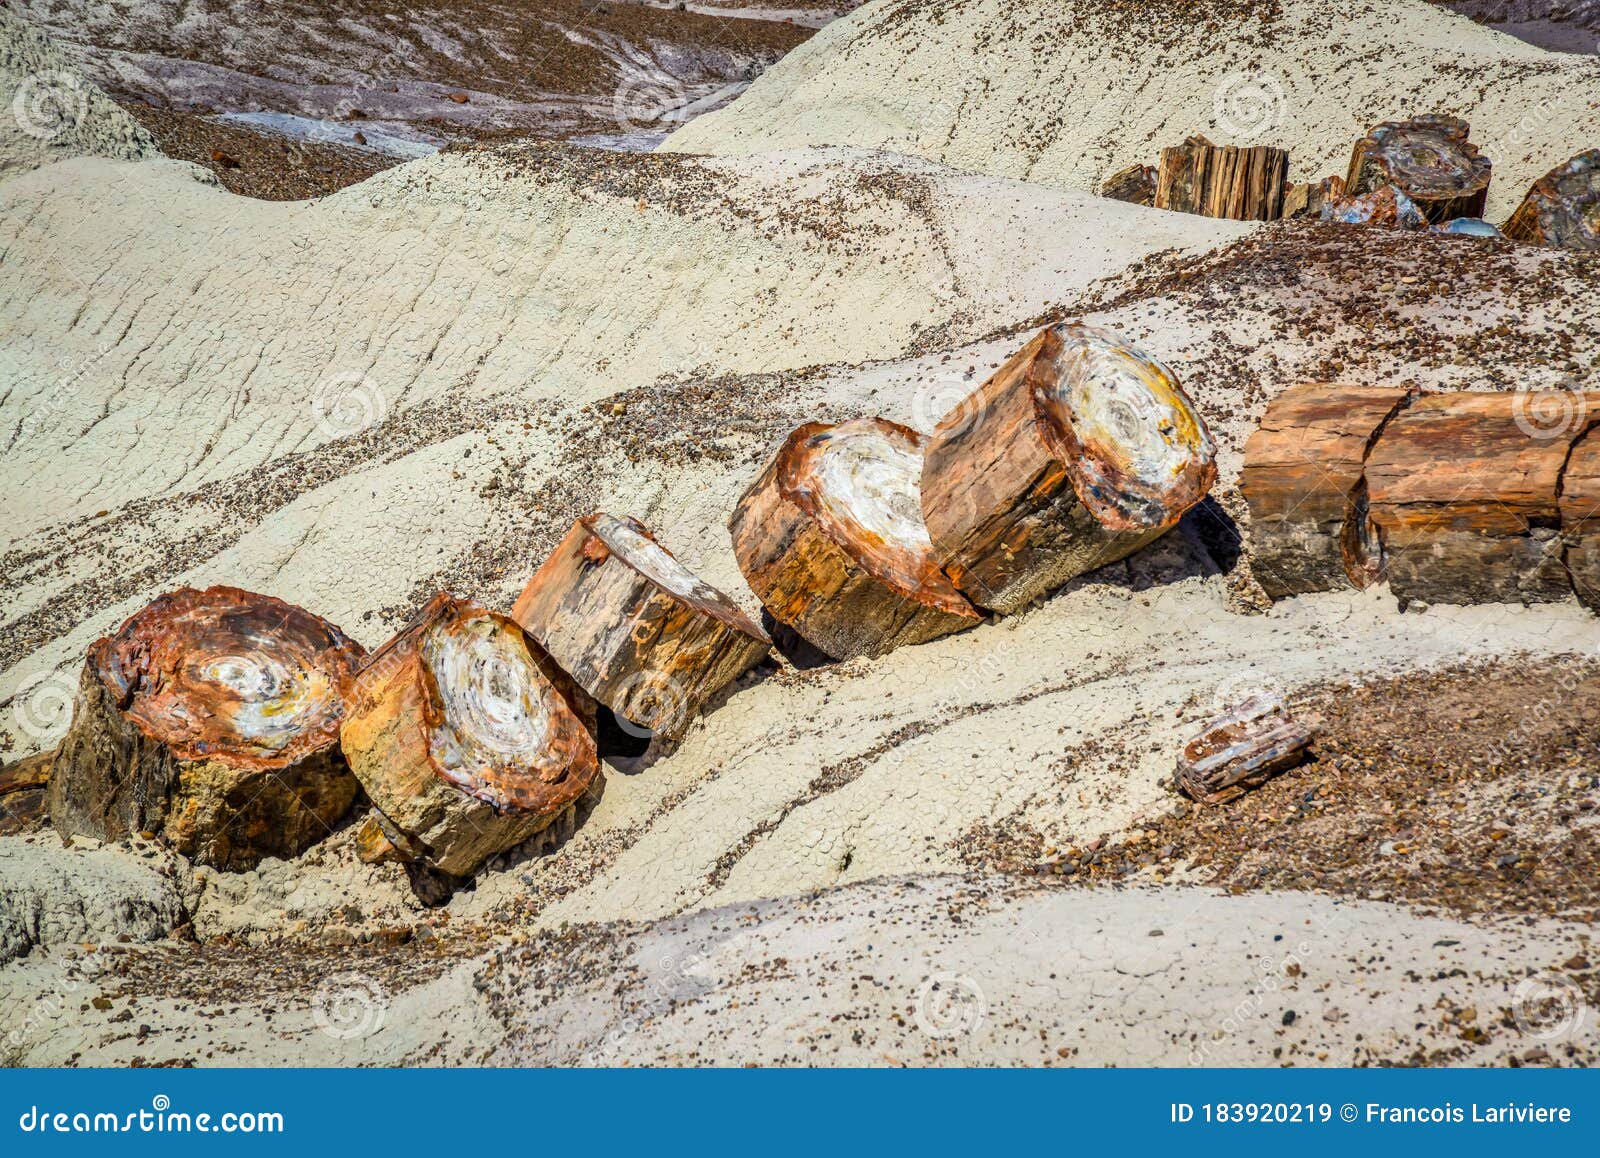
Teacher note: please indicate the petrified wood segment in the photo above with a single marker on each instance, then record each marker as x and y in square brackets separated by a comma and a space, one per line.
[1078, 451]
[212, 716]
[634, 627]
[1384, 205]
[1430, 160]
[1580, 516]
[1243, 184]
[1302, 477]
[1241, 749]
[831, 540]
[1463, 488]
[467, 737]
[1136, 185]
[1563, 207]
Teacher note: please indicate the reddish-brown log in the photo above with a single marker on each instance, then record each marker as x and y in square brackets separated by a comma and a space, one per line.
[1136, 185]
[831, 540]
[1241, 184]
[212, 716]
[1562, 209]
[1427, 158]
[1242, 749]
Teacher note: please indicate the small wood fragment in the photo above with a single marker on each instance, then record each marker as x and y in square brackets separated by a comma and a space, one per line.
[1136, 185]
[1242, 749]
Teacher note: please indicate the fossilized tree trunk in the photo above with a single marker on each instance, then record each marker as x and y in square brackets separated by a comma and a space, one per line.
[1243, 184]
[1563, 207]
[1430, 160]
[1580, 514]
[635, 628]
[1463, 488]
[1302, 476]
[1136, 185]
[467, 737]
[1242, 749]
[1309, 199]
[1078, 451]
[831, 540]
[213, 717]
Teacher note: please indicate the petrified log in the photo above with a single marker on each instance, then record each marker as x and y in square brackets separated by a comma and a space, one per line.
[1430, 160]
[1308, 200]
[1136, 185]
[1241, 749]
[634, 627]
[831, 540]
[1580, 516]
[1302, 477]
[1463, 488]
[1243, 184]
[211, 716]
[1079, 450]
[22, 792]
[467, 737]
[1562, 209]
[1385, 205]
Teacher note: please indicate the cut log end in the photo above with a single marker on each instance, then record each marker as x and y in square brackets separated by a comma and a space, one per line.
[1430, 160]
[1562, 210]
[1241, 749]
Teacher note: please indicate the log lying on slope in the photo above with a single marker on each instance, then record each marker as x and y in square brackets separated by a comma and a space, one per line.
[1580, 515]
[1242, 184]
[634, 627]
[1430, 160]
[1242, 749]
[212, 716]
[1136, 185]
[831, 540]
[1302, 478]
[1463, 488]
[1562, 209]
[1078, 451]
[467, 737]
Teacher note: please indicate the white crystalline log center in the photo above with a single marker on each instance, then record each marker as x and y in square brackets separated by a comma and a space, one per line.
[870, 483]
[276, 701]
[495, 707]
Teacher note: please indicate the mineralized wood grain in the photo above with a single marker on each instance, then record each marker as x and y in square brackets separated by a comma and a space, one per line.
[1078, 451]
[213, 717]
[634, 627]
[1242, 184]
[1136, 185]
[1303, 479]
[830, 537]
[467, 737]
[1430, 160]
[1562, 209]
[1241, 749]
[1580, 516]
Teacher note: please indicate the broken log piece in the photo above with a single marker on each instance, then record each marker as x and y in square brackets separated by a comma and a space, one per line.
[467, 737]
[1302, 477]
[1077, 452]
[634, 627]
[831, 540]
[1562, 210]
[1463, 489]
[1383, 206]
[1580, 517]
[1242, 184]
[1241, 749]
[1136, 185]
[213, 717]
[23, 783]
[30, 772]
[1427, 158]
[1308, 200]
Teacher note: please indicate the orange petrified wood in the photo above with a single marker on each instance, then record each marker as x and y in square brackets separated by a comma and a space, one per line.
[1430, 160]
[467, 737]
[212, 716]
[1078, 451]
[634, 627]
[1562, 210]
[831, 540]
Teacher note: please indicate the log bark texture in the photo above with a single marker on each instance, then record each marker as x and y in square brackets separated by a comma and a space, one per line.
[1430, 160]
[1580, 515]
[22, 793]
[1562, 210]
[1078, 451]
[467, 737]
[831, 540]
[1242, 749]
[634, 627]
[1308, 200]
[213, 717]
[1242, 184]
[1463, 488]
[1303, 479]
[1136, 185]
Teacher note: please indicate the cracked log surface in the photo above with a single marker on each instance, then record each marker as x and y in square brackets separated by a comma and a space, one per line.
[467, 737]
[634, 627]
[1430, 160]
[1077, 452]
[1302, 476]
[212, 716]
[830, 537]
[1562, 209]
[1240, 184]
[1241, 749]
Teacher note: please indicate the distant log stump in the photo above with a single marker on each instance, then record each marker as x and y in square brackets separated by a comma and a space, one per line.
[1302, 477]
[1309, 200]
[1463, 488]
[467, 737]
[1077, 452]
[1580, 515]
[831, 540]
[212, 716]
[1242, 749]
[1136, 185]
[1562, 210]
[634, 627]
[1430, 160]
[1241, 184]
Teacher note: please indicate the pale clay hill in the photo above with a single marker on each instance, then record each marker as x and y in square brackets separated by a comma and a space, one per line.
[420, 382]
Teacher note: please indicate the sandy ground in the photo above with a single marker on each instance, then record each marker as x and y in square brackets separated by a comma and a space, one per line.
[977, 84]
